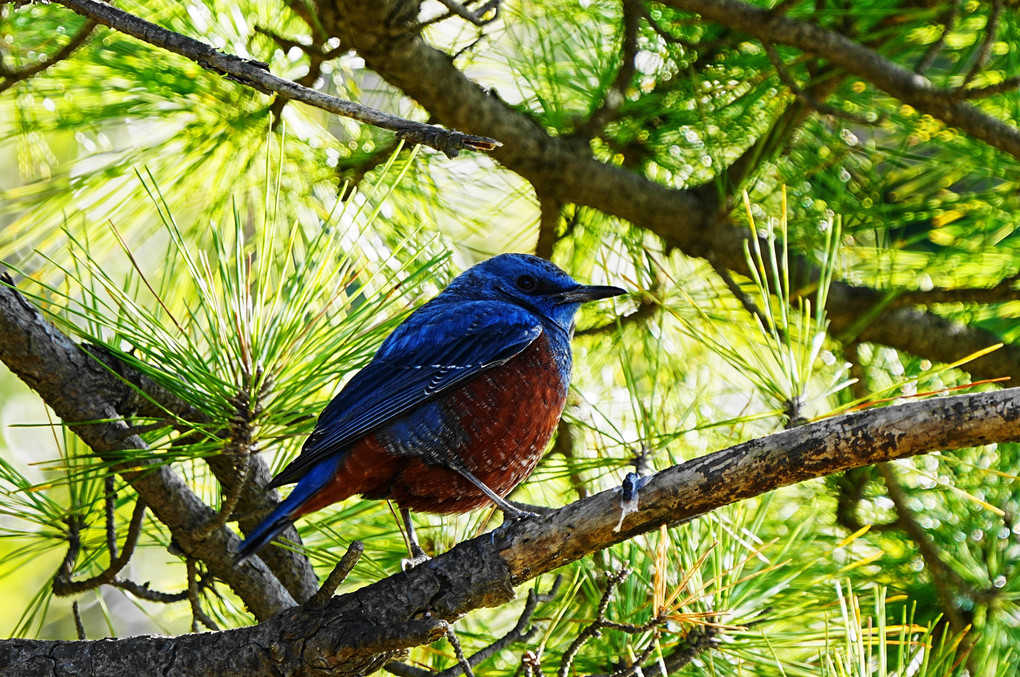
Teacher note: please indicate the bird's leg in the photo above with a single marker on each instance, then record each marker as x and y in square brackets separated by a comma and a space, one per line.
[509, 512]
[418, 554]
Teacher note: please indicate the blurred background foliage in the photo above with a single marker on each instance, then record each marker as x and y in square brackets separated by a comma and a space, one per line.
[222, 242]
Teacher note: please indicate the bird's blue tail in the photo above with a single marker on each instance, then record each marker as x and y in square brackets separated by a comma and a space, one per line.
[283, 516]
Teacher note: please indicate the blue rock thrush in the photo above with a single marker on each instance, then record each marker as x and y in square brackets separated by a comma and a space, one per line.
[455, 409]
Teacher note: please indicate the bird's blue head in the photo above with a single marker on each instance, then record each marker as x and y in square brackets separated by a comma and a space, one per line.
[532, 283]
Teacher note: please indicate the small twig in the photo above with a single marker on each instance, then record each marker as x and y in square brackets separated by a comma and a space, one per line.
[520, 633]
[745, 299]
[641, 464]
[531, 663]
[12, 77]
[1007, 85]
[78, 625]
[197, 614]
[615, 94]
[596, 626]
[316, 54]
[805, 98]
[62, 583]
[458, 651]
[635, 667]
[142, 591]
[985, 51]
[340, 572]
[239, 448]
[256, 75]
[477, 17]
[444, 16]
[110, 504]
[698, 640]
[948, 21]
[313, 50]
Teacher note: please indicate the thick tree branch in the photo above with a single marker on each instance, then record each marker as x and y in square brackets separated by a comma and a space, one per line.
[562, 168]
[257, 76]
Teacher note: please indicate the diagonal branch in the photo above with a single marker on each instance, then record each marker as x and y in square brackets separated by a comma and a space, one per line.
[9, 78]
[905, 85]
[616, 93]
[256, 75]
[133, 393]
[1000, 293]
[78, 389]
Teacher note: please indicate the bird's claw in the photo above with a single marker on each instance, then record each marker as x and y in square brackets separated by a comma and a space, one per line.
[500, 536]
[409, 563]
[517, 515]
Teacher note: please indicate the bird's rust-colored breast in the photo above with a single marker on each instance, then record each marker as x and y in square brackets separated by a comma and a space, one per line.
[497, 425]
[509, 414]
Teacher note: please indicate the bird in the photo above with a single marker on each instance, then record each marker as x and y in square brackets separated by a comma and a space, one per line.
[455, 409]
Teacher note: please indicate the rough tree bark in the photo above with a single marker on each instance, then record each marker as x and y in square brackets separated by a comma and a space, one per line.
[355, 633]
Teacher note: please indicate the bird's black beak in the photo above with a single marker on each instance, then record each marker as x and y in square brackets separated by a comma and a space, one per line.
[585, 293]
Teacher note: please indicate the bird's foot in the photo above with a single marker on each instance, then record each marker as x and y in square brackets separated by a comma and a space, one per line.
[517, 516]
[418, 556]
[512, 513]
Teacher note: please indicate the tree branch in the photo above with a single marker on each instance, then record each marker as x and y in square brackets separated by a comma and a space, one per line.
[12, 77]
[478, 17]
[985, 51]
[616, 93]
[694, 221]
[62, 583]
[895, 80]
[1004, 291]
[943, 578]
[520, 633]
[256, 75]
[340, 573]
[78, 389]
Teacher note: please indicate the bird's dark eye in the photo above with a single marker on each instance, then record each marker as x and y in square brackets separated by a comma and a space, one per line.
[526, 282]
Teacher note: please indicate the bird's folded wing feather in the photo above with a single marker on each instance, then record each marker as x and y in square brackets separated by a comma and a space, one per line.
[427, 355]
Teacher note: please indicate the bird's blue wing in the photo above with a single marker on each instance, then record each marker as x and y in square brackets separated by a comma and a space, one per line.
[438, 347]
